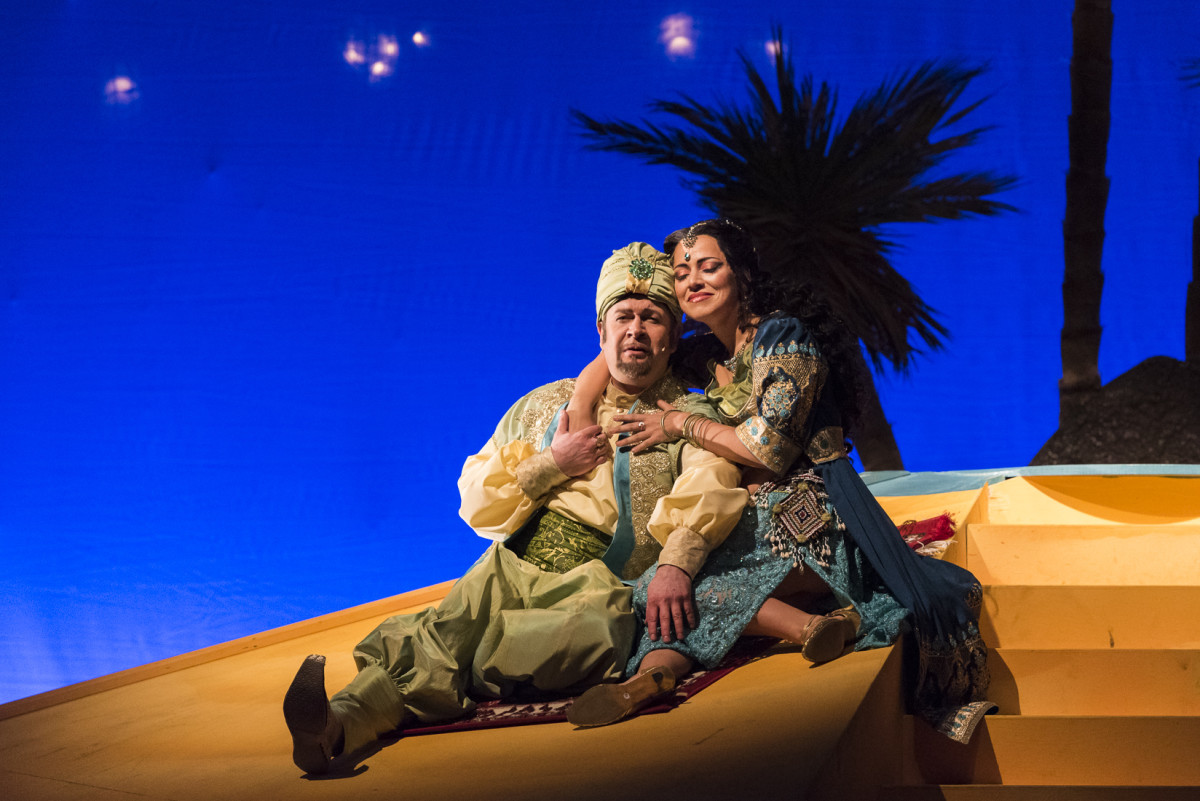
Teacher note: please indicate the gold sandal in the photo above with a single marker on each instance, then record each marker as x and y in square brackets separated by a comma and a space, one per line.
[609, 703]
[825, 637]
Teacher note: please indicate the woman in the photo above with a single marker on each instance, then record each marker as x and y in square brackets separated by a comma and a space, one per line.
[813, 538]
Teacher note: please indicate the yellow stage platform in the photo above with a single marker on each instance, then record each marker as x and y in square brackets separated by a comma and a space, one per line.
[1092, 608]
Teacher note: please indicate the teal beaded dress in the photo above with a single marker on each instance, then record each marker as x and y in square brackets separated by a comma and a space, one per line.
[817, 514]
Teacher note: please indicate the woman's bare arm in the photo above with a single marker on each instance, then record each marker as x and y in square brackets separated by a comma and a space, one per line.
[589, 386]
[646, 430]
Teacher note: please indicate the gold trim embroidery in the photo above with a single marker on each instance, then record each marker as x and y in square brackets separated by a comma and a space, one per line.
[536, 416]
[787, 380]
[825, 445]
[769, 446]
[686, 550]
[652, 475]
[539, 474]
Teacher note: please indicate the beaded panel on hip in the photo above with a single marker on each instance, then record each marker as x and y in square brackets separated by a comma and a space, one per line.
[800, 512]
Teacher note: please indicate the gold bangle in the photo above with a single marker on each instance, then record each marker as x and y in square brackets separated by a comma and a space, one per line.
[662, 423]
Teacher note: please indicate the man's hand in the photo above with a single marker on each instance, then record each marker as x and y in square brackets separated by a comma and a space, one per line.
[669, 604]
[578, 452]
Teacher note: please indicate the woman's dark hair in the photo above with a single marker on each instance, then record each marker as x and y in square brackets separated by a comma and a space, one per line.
[741, 256]
[758, 296]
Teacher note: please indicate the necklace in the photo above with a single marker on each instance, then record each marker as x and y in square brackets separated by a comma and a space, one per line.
[731, 362]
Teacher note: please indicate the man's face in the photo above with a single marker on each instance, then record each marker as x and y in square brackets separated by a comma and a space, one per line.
[637, 337]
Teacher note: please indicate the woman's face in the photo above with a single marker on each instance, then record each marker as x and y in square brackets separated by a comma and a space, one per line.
[704, 281]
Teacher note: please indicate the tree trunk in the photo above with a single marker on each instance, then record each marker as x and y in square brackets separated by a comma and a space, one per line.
[1191, 323]
[873, 437]
[1087, 196]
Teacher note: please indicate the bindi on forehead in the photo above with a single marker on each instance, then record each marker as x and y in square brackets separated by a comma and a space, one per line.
[701, 247]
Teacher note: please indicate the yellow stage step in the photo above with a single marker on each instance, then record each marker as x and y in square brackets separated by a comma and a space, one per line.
[1084, 554]
[1067, 750]
[1106, 500]
[1093, 682]
[993, 792]
[1102, 617]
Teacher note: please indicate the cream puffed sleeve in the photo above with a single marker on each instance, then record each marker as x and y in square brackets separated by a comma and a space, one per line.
[703, 507]
[500, 487]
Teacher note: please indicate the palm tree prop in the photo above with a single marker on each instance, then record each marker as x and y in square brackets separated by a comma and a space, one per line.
[1191, 76]
[1087, 197]
[816, 196]
[1191, 73]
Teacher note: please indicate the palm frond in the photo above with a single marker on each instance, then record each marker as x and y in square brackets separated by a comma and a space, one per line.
[816, 192]
[1191, 73]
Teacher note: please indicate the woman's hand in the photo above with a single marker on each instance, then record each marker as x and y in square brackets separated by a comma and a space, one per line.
[647, 430]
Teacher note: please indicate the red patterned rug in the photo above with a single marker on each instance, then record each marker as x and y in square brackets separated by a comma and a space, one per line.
[928, 537]
[495, 714]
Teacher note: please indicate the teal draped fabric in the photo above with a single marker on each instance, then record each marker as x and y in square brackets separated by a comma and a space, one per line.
[623, 539]
[949, 663]
[936, 592]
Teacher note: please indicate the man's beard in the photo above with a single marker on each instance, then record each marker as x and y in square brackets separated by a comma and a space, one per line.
[630, 368]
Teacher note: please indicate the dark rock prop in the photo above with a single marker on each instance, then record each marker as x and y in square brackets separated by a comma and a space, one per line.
[1148, 415]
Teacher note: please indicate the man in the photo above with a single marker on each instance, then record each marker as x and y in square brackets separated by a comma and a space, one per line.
[545, 606]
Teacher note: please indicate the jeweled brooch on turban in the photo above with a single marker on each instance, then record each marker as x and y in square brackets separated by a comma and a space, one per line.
[641, 269]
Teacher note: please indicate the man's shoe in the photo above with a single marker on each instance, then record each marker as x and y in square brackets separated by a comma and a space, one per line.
[826, 637]
[609, 703]
[316, 731]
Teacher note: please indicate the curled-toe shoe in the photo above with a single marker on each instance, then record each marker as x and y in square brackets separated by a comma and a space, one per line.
[316, 730]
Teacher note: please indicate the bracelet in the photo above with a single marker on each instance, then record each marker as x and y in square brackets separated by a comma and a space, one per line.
[689, 429]
[662, 423]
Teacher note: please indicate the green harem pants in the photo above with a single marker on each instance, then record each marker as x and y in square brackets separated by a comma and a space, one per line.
[505, 624]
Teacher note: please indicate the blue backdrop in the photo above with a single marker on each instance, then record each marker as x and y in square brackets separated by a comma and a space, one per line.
[270, 270]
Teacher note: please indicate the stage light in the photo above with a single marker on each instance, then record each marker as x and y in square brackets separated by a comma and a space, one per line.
[678, 33]
[354, 53]
[420, 39]
[773, 49]
[681, 46]
[378, 55]
[121, 90]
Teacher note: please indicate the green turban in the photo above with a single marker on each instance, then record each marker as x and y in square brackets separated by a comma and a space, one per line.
[636, 269]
